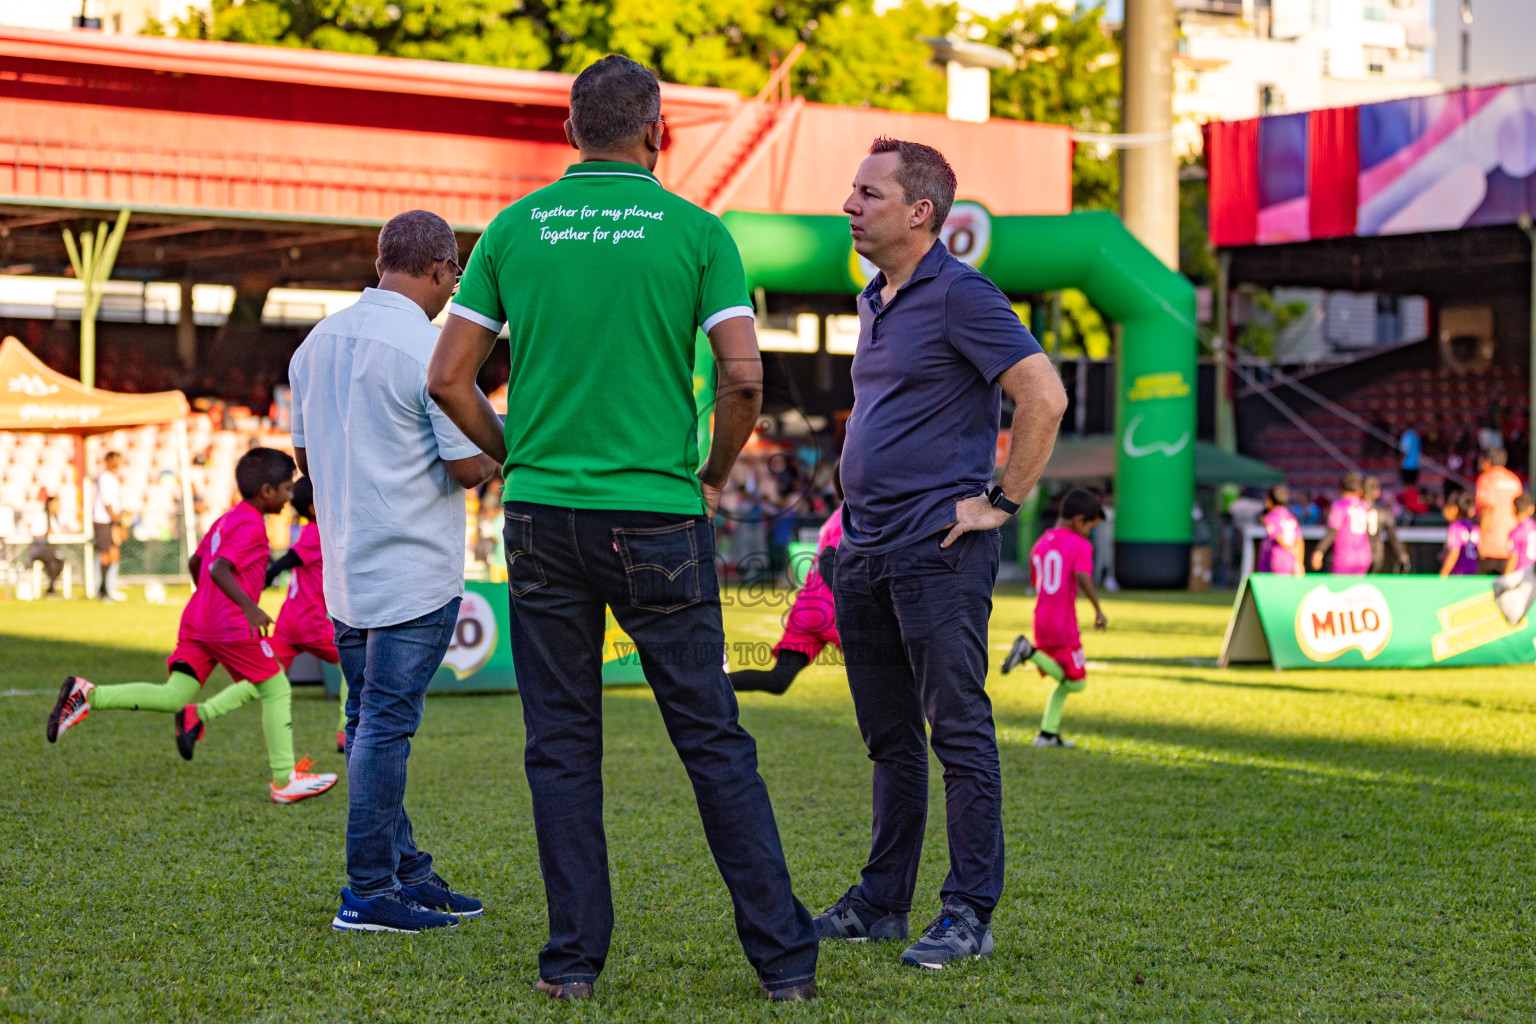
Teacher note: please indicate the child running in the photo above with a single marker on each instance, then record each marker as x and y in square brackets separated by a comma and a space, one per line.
[1522, 539]
[1349, 531]
[810, 626]
[1061, 562]
[221, 625]
[304, 625]
[1462, 539]
[1281, 551]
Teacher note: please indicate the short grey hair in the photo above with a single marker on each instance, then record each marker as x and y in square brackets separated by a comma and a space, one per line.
[611, 103]
[412, 241]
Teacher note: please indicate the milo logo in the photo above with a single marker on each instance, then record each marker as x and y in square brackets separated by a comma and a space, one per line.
[1328, 624]
[474, 637]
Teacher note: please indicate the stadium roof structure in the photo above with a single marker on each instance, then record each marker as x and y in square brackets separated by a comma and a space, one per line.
[265, 166]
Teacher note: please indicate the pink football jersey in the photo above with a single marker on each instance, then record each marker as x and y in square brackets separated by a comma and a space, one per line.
[1350, 518]
[1055, 561]
[240, 537]
[304, 611]
[1281, 531]
[1522, 543]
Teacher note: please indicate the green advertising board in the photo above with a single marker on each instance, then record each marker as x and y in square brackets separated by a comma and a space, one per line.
[480, 656]
[1325, 621]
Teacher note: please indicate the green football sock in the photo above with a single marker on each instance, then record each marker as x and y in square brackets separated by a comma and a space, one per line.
[341, 717]
[277, 725]
[172, 695]
[1051, 721]
[228, 699]
[1047, 664]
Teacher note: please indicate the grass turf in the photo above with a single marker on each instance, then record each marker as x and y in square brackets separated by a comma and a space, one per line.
[1223, 846]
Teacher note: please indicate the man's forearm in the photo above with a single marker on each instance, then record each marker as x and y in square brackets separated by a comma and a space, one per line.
[1029, 449]
[471, 412]
[737, 406]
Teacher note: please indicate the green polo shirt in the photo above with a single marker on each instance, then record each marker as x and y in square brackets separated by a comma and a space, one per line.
[604, 278]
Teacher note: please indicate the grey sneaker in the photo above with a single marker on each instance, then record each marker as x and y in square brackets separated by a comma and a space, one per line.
[1052, 739]
[854, 918]
[956, 934]
[1021, 651]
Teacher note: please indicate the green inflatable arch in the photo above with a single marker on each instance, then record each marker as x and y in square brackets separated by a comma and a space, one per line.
[1155, 386]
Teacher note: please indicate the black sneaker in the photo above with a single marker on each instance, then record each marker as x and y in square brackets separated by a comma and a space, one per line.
[1021, 651]
[855, 918]
[389, 912]
[1053, 739]
[956, 934]
[434, 894]
[189, 729]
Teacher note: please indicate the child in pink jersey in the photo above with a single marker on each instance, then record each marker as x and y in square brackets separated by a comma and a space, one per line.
[222, 625]
[810, 625]
[1061, 562]
[1522, 539]
[1281, 550]
[304, 625]
[1349, 533]
[1462, 539]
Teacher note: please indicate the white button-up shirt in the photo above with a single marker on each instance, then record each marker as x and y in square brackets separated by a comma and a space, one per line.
[391, 521]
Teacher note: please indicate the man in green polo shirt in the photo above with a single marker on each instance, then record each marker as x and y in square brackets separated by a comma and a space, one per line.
[606, 278]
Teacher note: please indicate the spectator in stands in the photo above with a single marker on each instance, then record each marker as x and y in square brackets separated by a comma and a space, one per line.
[1412, 448]
[1388, 553]
[1497, 489]
[45, 523]
[108, 519]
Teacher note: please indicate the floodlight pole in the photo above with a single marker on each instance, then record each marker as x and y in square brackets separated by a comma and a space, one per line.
[92, 262]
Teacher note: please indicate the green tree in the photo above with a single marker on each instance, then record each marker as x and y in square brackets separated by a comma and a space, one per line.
[1068, 72]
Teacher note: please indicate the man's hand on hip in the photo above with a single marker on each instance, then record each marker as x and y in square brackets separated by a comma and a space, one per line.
[711, 497]
[973, 514]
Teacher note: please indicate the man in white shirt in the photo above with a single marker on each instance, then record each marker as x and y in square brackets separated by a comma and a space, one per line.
[107, 516]
[389, 472]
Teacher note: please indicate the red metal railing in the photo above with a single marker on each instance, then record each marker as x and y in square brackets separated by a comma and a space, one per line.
[222, 182]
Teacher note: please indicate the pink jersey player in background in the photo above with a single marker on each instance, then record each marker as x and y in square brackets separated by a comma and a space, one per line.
[1061, 563]
[1462, 539]
[1281, 550]
[304, 625]
[811, 624]
[1349, 532]
[1522, 539]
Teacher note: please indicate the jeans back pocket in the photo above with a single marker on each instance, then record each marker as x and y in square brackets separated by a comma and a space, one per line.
[661, 565]
[524, 573]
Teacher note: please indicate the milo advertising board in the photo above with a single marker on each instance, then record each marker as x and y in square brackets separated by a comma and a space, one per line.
[1373, 622]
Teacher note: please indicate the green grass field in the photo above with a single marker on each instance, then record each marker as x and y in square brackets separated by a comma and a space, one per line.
[1223, 846]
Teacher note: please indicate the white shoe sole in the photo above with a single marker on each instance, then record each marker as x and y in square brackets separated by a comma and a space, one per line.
[341, 926]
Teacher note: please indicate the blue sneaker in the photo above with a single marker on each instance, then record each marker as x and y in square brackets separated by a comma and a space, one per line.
[389, 912]
[434, 894]
[855, 919]
[956, 934]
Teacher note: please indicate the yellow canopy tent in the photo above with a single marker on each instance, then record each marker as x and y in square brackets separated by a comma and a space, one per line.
[37, 399]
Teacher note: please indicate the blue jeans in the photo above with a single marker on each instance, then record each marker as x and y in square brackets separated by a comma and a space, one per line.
[387, 669]
[657, 572]
[914, 628]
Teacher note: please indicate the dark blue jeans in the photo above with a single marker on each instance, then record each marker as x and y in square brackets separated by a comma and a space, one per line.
[914, 629]
[656, 571]
[387, 669]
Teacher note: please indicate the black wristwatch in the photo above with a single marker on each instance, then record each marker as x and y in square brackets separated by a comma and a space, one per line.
[1000, 500]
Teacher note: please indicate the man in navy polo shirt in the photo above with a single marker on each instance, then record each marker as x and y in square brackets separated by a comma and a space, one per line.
[913, 578]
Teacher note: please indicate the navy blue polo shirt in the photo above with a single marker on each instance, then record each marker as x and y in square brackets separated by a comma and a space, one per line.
[926, 403]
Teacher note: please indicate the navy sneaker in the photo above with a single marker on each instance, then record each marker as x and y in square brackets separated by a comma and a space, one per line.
[434, 894]
[956, 934]
[855, 918]
[1021, 651]
[389, 912]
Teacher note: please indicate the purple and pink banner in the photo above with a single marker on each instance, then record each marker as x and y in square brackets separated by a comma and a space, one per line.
[1430, 163]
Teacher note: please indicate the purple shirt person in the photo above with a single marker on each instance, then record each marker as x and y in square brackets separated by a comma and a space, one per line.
[1461, 543]
[1281, 550]
[1348, 531]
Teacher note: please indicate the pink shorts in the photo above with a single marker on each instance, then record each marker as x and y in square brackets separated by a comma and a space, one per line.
[1073, 665]
[812, 622]
[252, 659]
[321, 645]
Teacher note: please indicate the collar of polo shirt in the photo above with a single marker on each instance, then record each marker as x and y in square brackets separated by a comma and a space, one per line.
[927, 267]
[609, 169]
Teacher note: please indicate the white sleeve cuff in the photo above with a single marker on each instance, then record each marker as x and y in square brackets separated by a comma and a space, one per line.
[476, 318]
[729, 313]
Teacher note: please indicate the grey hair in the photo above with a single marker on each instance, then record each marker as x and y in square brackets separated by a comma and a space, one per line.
[412, 241]
[611, 103]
